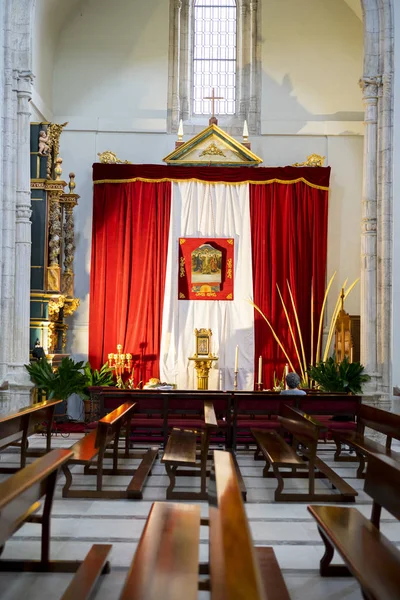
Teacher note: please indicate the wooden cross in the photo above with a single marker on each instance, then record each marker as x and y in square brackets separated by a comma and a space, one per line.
[213, 97]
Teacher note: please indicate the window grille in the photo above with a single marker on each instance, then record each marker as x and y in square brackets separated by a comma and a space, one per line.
[214, 56]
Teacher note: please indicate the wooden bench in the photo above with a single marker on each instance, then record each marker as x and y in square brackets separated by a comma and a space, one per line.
[368, 555]
[237, 569]
[181, 451]
[166, 562]
[20, 500]
[382, 421]
[301, 458]
[17, 427]
[93, 446]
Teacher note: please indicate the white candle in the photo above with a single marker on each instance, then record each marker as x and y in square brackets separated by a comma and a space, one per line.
[260, 370]
[237, 359]
[245, 130]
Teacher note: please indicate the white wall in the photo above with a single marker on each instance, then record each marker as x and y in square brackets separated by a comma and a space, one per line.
[312, 58]
[112, 65]
[110, 83]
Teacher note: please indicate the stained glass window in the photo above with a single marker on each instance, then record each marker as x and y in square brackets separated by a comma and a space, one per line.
[214, 56]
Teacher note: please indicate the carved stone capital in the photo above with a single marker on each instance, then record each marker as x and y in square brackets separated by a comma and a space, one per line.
[23, 213]
[370, 86]
[368, 226]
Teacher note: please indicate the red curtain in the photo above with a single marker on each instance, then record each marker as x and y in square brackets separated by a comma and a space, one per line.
[129, 254]
[289, 243]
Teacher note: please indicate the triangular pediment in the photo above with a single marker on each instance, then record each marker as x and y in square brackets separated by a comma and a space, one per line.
[212, 147]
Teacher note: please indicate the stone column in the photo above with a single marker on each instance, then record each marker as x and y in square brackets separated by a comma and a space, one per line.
[255, 65]
[18, 378]
[174, 65]
[370, 86]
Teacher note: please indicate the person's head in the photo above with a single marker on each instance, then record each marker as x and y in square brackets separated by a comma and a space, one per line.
[292, 380]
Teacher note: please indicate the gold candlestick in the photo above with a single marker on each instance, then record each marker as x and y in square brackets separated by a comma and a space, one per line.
[235, 380]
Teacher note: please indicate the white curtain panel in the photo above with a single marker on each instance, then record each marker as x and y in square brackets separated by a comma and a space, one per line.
[209, 210]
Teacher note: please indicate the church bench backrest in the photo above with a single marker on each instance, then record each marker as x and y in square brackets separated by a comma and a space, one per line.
[329, 404]
[234, 568]
[382, 483]
[20, 493]
[111, 424]
[380, 420]
[13, 425]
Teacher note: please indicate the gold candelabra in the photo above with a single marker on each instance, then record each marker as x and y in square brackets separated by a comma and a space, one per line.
[120, 363]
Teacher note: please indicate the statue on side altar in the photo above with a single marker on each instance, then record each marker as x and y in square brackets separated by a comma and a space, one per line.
[44, 143]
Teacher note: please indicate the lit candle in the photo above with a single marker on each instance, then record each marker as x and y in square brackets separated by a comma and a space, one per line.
[237, 359]
[245, 130]
[180, 130]
[260, 370]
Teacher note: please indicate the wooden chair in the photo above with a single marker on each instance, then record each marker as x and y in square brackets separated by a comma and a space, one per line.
[20, 497]
[17, 427]
[93, 446]
[384, 422]
[301, 455]
[368, 555]
[181, 451]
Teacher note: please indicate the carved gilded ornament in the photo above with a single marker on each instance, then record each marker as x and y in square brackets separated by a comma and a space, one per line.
[70, 306]
[54, 307]
[182, 296]
[314, 160]
[111, 158]
[212, 150]
[54, 131]
[52, 338]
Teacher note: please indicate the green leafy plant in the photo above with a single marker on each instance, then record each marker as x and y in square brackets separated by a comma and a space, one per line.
[98, 377]
[345, 376]
[60, 383]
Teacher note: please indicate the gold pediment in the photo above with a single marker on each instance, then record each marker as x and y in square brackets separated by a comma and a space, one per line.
[212, 147]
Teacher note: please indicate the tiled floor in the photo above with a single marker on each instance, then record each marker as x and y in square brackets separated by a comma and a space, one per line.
[76, 524]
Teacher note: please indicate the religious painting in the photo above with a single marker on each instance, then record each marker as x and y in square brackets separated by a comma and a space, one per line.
[206, 268]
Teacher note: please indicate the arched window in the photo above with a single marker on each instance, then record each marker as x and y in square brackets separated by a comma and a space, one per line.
[214, 44]
[214, 56]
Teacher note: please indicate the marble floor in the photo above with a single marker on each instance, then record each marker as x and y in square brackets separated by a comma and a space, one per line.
[77, 524]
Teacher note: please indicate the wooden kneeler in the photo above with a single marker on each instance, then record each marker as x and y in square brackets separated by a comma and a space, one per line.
[20, 497]
[94, 446]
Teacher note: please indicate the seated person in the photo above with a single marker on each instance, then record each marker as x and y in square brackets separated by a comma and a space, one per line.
[293, 381]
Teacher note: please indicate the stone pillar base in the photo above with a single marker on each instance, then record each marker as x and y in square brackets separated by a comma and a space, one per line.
[15, 398]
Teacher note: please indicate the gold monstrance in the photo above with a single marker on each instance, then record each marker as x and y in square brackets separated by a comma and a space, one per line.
[203, 357]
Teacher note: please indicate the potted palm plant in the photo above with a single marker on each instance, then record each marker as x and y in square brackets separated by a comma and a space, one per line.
[61, 382]
[346, 376]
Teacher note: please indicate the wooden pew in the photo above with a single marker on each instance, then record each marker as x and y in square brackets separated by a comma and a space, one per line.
[20, 500]
[93, 446]
[17, 427]
[379, 420]
[302, 454]
[181, 451]
[166, 562]
[237, 569]
[368, 555]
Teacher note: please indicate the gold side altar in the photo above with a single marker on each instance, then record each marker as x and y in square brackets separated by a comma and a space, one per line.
[203, 357]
